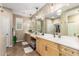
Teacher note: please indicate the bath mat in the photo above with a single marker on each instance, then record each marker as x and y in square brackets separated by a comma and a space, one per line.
[24, 43]
[28, 49]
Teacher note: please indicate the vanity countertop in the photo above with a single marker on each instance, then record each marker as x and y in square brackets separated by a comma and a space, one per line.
[31, 34]
[69, 41]
[72, 42]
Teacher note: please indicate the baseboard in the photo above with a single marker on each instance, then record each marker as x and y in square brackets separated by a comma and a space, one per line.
[11, 46]
[19, 40]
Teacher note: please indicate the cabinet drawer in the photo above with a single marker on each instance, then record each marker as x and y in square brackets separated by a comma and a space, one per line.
[69, 51]
[52, 44]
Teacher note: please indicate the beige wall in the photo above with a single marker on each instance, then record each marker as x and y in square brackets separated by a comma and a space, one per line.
[20, 33]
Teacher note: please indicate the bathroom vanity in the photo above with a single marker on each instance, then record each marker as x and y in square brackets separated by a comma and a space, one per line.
[48, 45]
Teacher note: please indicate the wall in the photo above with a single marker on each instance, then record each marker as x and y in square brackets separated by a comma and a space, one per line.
[20, 33]
[27, 25]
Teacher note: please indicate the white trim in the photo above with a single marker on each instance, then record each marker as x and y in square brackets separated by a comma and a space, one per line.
[19, 40]
[11, 46]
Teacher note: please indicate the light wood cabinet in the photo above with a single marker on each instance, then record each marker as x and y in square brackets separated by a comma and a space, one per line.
[46, 48]
[40, 47]
[52, 49]
[67, 51]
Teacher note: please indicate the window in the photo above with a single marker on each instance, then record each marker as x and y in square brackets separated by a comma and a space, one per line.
[19, 24]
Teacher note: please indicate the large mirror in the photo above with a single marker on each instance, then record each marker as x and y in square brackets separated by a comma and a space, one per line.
[73, 24]
[39, 24]
[50, 28]
[53, 26]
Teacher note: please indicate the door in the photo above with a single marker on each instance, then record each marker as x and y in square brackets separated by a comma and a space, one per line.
[5, 27]
[2, 40]
[19, 29]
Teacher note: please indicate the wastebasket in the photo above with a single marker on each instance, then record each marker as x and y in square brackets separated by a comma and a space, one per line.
[14, 40]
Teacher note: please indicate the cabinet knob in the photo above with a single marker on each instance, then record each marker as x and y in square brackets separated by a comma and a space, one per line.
[72, 52]
[46, 48]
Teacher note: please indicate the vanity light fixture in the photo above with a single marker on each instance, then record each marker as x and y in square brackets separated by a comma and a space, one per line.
[67, 4]
[51, 4]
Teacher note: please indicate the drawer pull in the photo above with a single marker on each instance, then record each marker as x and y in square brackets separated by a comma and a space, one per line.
[72, 52]
[66, 49]
[46, 48]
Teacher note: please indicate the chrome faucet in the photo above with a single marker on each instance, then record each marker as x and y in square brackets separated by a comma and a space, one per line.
[54, 34]
[74, 34]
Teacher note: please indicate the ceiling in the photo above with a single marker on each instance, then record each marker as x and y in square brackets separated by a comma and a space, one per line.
[61, 8]
[24, 9]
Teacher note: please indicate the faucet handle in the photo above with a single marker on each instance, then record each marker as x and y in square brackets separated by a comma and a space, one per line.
[78, 36]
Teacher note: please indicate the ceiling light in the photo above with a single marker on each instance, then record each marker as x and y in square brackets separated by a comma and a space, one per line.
[59, 12]
[36, 8]
[30, 14]
[52, 17]
[67, 4]
[52, 4]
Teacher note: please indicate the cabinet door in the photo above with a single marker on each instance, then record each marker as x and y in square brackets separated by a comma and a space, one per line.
[52, 50]
[43, 47]
[40, 47]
